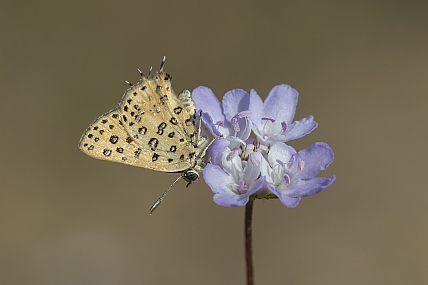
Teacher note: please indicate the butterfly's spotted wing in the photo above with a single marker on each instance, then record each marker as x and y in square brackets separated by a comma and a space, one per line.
[152, 128]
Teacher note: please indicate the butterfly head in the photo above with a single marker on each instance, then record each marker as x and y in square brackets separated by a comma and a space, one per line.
[191, 176]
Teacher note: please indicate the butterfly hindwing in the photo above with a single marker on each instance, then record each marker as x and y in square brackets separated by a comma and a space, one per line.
[106, 139]
[152, 128]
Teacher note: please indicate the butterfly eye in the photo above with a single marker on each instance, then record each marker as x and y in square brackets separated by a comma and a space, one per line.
[190, 176]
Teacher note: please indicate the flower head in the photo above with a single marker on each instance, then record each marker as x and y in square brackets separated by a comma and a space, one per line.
[273, 119]
[291, 176]
[243, 168]
[232, 179]
[236, 174]
[231, 118]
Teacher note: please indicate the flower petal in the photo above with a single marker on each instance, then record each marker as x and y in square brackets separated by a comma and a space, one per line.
[280, 151]
[281, 103]
[256, 108]
[266, 170]
[217, 147]
[290, 202]
[257, 185]
[217, 179]
[300, 128]
[230, 200]
[206, 101]
[210, 124]
[305, 188]
[235, 101]
[252, 169]
[317, 157]
[235, 142]
[235, 108]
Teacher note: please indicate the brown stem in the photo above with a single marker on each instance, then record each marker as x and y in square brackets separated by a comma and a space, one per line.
[248, 243]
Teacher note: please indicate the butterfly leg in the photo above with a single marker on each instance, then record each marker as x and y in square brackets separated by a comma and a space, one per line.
[199, 141]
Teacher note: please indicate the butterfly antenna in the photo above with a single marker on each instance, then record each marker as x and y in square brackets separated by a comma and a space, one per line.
[162, 63]
[158, 201]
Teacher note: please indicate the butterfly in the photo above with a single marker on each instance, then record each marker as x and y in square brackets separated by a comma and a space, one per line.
[152, 128]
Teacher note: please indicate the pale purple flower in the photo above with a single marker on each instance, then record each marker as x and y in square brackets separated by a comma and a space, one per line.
[282, 173]
[243, 168]
[291, 176]
[273, 119]
[231, 118]
[232, 179]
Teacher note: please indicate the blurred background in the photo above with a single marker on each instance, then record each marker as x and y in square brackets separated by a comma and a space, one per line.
[360, 68]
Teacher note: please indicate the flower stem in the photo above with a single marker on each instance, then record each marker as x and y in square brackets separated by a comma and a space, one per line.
[248, 243]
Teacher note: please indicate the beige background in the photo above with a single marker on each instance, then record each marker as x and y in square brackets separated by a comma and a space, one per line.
[361, 69]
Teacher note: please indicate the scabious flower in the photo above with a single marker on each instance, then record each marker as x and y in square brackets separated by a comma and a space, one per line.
[232, 179]
[242, 168]
[291, 176]
[231, 118]
[273, 119]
